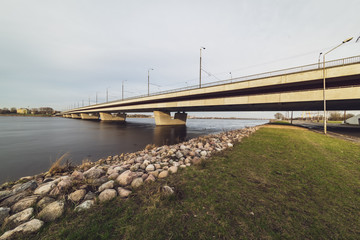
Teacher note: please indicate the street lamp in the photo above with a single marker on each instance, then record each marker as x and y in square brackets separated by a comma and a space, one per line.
[201, 48]
[230, 76]
[149, 80]
[324, 78]
[107, 94]
[319, 60]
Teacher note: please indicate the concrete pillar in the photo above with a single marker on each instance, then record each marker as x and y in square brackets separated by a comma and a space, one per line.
[87, 116]
[120, 117]
[74, 115]
[164, 118]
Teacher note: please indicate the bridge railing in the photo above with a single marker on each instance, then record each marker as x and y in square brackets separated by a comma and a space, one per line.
[328, 64]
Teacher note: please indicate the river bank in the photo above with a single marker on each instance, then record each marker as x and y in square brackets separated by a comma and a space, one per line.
[64, 187]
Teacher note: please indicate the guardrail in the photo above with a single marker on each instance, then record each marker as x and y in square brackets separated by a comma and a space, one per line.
[328, 64]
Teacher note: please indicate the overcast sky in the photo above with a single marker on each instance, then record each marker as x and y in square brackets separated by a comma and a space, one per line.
[60, 53]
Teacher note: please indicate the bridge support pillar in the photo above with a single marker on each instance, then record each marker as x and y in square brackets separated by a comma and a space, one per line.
[120, 117]
[74, 115]
[87, 116]
[163, 118]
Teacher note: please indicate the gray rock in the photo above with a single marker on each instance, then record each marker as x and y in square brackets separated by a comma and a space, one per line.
[107, 185]
[163, 174]
[77, 175]
[4, 213]
[113, 176]
[52, 211]
[87, 204]
[31, 185]
[93, 173]
[137, 182]
[44, 202]
[25, 228]
[5, 194]
[99, 181]
[150, 178]
[18, 218]
[167, 190]
[150, 168]
[77, 195]
[123, 192]
[126, 178]
[45, 188]
[90, 196]
[24, 203]
[64, 185]
[179, 154]
[14, 198]
[107, 195]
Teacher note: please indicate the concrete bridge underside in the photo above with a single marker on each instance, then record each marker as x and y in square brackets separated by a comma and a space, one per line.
[289, 92]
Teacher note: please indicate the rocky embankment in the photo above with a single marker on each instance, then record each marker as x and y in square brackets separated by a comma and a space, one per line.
[26, 204]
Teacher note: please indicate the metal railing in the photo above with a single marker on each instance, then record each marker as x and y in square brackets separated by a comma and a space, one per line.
[328, 64]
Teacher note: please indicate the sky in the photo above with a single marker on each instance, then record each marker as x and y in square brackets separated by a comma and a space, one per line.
[63, 53]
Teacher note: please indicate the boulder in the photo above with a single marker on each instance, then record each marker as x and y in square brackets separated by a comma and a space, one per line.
[167, 190]
[77, 175]
[173, 169]
[150, 168]
[64, 185]
[18, 218]
[14, 199]
[123, 192]
[99, 181]
[107, 185]
[137, 182]
[107, 195]
[126, 178]
[93, 173]
[4, 213]
[163, 174]
[31, 185]
[77, 195]
[45, 188]
[52, 211]
[25, 228]
[113, 176]
[24, 203]
[5, 194]
[44, 202]
[150, 178]
[87, 204]
[90, 196]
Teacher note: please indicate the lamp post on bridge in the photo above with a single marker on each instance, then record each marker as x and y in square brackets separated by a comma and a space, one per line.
[122, 90]
[324, 82]
[201, 48]
[319, 60]
[149, 80]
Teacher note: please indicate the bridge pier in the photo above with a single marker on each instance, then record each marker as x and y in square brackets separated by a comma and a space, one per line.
[163, 118]
[87, 116]
[120, 117]
[74, 115]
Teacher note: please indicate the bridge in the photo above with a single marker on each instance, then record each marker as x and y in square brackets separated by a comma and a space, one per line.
[292, 89]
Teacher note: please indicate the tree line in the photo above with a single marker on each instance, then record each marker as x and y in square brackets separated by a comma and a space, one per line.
[33, 111]
[334, 116]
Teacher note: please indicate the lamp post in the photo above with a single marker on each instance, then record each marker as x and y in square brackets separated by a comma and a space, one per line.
[324, 82]
[122, 90]
[319, 60]
[230, 76]
[107, 94]
[201, 48]
[149, 80]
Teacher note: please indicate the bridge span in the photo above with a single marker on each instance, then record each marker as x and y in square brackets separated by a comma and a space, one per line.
[293, 89]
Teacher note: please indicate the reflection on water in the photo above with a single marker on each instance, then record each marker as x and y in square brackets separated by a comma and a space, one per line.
[167, 135]
[28, 145]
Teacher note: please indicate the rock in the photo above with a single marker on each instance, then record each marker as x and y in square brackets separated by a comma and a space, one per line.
[24, 204]
[173, 169]
[52, 211]
[13, 199]
[5, 194]
[87, 204]
[4, 213]
[154, 173]
[98, 182]
[182, 166]
[126, 178]
[230, 145]
[150, 178]
[182, 147]
[150, 168]
[90, 196]
[107, 185]
[107, 195]
[44, 202]
[196, 161]
[93, 173]
[113, 176]
[135, 167]
[25, 228]
[18, 218]
[144, 176]
[157, 166]
[163, 174]
[77, 175]
[167, 190]
[137, 182]
[123, 192]
[44, 188]
[77, 195]
[203, 153]
[179, 154]
[31, 185]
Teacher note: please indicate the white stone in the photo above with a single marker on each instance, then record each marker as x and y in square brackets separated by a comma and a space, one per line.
[203, 153]
[24, 203]
[45, 188]
[20, 217]
[77, 195]
[230, 145]
[150, 168]
[163, 174]
[4, 213]
[107, 185]
[137, 182]
[107, 195]
[173, 169]
[123, 192]
[85, 205]
[25, 228]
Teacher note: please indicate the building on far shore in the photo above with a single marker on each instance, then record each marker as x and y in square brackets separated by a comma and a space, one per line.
[355, 120]
[22, 111]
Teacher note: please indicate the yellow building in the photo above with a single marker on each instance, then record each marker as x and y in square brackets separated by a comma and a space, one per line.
[22, 111]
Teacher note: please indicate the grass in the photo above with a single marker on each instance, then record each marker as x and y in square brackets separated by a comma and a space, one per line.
[58, 167]
[280, 183]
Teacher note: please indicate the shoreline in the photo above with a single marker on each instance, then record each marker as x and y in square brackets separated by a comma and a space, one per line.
[91, 182]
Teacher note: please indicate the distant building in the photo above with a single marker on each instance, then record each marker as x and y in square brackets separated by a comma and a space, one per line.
[23, 111]
[355, 120]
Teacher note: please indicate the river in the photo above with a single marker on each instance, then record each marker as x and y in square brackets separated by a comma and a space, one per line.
[29, 145]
